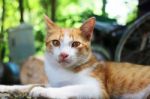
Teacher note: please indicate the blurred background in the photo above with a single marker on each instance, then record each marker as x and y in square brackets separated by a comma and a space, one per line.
[121, 32]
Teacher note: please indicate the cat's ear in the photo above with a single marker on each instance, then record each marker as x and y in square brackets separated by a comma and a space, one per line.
[87, 27]
[50, 24]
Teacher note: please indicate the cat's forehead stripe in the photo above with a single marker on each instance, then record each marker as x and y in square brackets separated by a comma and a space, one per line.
[67, 34]
[67, 39]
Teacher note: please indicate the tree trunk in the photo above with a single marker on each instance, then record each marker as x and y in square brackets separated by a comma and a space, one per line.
[104, 8]
[21, 9]
[53, 9]
[2, 48]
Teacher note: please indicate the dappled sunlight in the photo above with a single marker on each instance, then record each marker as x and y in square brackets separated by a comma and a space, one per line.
[120, 9]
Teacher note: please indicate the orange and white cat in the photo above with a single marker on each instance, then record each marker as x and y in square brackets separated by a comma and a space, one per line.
[73, 71]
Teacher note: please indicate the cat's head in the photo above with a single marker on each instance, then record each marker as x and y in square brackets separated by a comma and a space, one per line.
[69, 46]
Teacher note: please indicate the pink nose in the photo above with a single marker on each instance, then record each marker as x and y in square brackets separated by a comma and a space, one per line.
[63, 55]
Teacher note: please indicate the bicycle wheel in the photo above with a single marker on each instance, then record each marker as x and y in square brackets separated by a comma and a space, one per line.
[135, 41]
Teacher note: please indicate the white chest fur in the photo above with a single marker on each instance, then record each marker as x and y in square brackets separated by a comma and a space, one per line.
[58, 76]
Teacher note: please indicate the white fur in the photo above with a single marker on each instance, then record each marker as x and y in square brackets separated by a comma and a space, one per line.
[56, 73]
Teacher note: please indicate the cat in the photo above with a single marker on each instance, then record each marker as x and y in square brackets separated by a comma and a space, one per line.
[73, 71]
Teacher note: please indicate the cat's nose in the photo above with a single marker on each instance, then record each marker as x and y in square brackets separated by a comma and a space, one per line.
[63, 55]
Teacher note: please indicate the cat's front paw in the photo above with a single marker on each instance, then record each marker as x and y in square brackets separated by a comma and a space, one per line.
[37, 92]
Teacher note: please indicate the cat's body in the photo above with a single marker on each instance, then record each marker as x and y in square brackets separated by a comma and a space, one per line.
[73, 71]
[117, 80]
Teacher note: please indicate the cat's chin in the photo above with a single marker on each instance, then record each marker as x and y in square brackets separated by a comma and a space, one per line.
[65, 64]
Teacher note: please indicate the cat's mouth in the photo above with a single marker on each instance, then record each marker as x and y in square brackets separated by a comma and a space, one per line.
[64, 61]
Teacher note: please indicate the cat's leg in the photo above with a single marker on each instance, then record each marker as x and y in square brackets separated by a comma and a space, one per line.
[74, 91]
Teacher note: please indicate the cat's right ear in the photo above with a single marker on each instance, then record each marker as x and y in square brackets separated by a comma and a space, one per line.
[50, 24]
[88, 27]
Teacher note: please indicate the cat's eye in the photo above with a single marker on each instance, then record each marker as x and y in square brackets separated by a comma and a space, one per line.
[56, 43]
[75, 44]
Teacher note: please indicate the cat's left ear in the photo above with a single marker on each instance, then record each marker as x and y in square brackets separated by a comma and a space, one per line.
[50, 24]
[87, 28]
